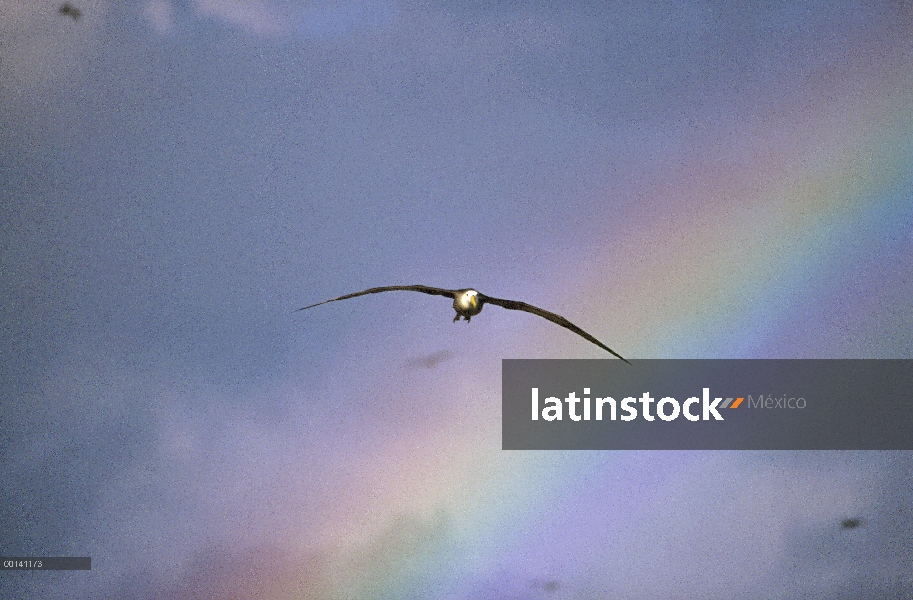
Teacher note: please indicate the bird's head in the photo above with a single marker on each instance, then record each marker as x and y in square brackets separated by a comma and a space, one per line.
[467, 303]
[472, 298]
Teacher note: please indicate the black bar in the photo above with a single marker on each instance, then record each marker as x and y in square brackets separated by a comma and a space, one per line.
[45, 563]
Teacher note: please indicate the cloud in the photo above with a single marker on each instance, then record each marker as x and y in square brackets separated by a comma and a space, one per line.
[322, 19]
[253, 16]
[336, 18]
[43, 48]
[821, 557]
[160, 14]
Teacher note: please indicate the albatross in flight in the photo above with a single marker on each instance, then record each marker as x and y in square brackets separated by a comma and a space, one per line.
[468, 303]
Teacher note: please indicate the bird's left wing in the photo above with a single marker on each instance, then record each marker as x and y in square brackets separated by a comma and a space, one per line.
[391, 288]
[556, 319]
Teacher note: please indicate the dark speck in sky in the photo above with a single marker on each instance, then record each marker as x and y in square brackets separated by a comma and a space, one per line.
[70, 11]
[430, 361]
[551, 586]
[851, 523]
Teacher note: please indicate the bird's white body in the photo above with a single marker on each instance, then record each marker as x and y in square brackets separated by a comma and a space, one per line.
[466, 304]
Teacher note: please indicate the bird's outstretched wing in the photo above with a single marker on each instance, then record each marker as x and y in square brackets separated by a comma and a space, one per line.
[391, 288]
[556, 319]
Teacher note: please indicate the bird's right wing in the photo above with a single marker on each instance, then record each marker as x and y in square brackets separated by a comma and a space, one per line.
[391, 288]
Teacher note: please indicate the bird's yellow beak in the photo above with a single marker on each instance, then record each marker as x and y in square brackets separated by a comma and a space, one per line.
[474, 301]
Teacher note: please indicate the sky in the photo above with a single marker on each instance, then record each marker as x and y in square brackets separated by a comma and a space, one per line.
[682, 180]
